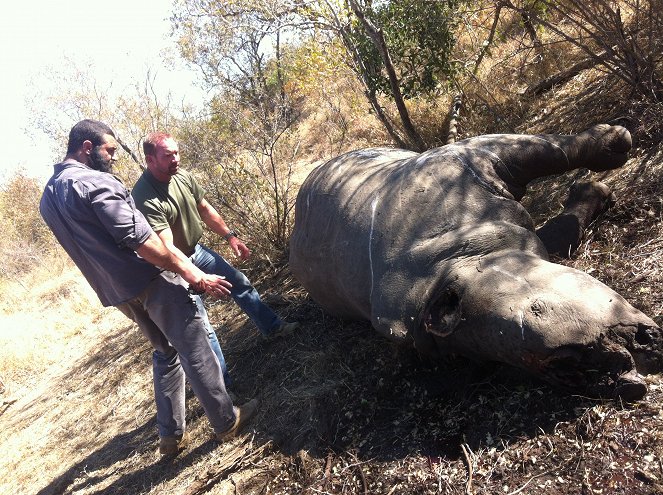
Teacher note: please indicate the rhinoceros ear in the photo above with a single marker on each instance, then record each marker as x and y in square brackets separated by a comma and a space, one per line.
[439, 319]
[443, 314]
[395, 301]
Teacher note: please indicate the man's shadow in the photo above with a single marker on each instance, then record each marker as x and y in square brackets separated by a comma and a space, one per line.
[139, 441]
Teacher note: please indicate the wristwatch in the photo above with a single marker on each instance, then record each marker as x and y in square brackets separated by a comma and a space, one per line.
[231, 233]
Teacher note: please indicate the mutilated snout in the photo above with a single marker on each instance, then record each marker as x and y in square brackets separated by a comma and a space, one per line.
[552, 320]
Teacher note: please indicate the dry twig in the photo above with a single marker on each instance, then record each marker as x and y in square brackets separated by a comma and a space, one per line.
[470, 470]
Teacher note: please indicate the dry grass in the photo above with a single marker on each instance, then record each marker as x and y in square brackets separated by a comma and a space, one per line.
[342, 410]
[39, 315]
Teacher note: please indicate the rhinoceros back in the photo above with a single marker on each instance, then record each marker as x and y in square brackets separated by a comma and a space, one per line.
[329, 246]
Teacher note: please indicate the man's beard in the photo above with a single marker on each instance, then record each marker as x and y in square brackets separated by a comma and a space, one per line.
[97, 162]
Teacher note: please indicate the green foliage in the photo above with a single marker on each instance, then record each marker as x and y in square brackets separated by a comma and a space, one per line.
[420, 38]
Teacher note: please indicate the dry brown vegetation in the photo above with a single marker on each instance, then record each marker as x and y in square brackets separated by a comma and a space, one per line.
[342, 410]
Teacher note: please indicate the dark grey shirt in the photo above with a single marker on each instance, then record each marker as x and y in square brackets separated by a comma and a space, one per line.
[94, 218]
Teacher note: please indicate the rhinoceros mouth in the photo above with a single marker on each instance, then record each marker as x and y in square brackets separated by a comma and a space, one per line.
[605, 370]
[645, 344]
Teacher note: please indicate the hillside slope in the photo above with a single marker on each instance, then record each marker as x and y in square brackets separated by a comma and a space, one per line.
[342, 410]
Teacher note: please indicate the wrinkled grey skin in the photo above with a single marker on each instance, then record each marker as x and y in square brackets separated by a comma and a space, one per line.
[435, 249]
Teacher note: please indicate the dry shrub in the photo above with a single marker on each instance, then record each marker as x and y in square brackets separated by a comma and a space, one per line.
[334, 110]
[252, 165]
[26, 240]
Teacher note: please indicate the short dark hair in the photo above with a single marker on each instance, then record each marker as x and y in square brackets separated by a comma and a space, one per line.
[152, 140]
[87, 130]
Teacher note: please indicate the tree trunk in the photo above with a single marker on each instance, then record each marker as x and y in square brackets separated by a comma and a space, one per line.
[378, 39]
[489, 41]
[564, 76]
[453, 119]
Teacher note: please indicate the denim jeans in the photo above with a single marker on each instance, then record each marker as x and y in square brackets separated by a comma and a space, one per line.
[243, 293]
[213, 340]
[170, 319]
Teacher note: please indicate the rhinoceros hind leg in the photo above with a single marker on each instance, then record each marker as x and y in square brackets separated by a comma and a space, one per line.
[562, 234]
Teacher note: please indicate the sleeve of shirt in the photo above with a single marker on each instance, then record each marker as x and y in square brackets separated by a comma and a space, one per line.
[196, 189]
[154, 215]
[117, 211]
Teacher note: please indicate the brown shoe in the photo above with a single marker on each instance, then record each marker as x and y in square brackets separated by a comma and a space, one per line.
[243, 415]
[285, 329]
[173, 445]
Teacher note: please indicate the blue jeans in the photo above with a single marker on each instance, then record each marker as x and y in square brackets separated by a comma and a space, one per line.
[242, 291]
[213, 340]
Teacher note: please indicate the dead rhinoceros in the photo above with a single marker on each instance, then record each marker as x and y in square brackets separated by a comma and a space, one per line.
[436, 249]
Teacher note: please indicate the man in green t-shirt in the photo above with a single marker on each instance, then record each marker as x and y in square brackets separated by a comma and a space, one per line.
[174, 204]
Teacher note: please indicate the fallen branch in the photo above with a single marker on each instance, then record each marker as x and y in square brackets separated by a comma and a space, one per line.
[562, 77]
[327, 475]
[5, 405]
[528, 482]
[470, 469]
[214, 476]
[363, 479]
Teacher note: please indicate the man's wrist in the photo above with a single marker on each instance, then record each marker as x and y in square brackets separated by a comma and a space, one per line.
[231, 233]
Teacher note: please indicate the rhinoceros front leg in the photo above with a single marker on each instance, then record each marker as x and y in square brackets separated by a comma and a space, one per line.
[586, 201]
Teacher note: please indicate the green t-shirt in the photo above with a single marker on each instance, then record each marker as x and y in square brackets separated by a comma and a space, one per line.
[172, 204]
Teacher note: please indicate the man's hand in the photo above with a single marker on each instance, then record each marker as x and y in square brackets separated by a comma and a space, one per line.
[213, 285]
[239, 248]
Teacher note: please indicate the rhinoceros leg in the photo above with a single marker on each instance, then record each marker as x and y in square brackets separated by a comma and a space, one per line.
[515, 160]
[586, 201]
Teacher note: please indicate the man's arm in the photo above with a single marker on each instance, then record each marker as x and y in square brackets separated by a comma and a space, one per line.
[215, 222]
[166, 236]
[156, 252]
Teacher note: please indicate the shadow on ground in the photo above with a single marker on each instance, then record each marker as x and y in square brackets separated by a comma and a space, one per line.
[333, 391]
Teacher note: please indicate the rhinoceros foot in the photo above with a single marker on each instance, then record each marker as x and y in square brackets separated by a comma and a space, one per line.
[586, 201]
[610, 149]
